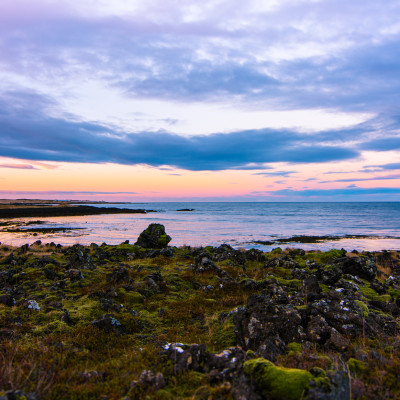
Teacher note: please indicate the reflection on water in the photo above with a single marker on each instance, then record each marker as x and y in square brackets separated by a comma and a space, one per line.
[234, 223]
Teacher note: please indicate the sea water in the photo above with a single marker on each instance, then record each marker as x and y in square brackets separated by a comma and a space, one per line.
[239, 224]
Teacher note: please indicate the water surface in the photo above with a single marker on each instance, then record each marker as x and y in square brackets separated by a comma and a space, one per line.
[238, 224]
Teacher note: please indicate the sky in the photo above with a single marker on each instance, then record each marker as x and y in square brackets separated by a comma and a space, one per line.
[167, 100]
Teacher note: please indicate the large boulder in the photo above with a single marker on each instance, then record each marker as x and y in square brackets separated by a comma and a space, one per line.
[153, 237]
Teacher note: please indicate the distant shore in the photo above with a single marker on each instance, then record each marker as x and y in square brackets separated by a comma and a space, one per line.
[51, 208]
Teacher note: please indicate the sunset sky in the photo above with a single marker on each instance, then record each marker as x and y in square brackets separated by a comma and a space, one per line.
[257, 100]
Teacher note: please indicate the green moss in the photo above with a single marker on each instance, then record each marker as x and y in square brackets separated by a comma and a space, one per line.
[289, 282]
[162, 241]
[363, 307]
[129, 298]
[371, 294]
[357, 367]
[224, 336]
[395, 293]
[278, 382]
[250, 355]
[329, 255]
[294, 346]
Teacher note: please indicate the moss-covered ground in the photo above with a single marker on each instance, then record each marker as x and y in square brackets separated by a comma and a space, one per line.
[57, 353]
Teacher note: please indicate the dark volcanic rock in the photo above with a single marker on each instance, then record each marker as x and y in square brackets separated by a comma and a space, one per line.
[148, 380]
[18, 395]
[108, 323]
[7, 300]
[153, 237]
[266, 327]
[363, 267]
[119, 274]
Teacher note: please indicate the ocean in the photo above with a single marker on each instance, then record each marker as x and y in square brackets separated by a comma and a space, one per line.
[240, 225]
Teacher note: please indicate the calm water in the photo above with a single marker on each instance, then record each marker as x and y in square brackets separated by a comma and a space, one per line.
[237, 224]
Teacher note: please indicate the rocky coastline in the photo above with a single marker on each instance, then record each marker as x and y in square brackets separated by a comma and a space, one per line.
[151, 321]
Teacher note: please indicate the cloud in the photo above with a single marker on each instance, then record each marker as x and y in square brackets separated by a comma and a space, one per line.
[17, 166]
[373, 178]
[35, 136]
[349, 191]
[385, 166]
[286, 55]
[60, 192]
[275, 173]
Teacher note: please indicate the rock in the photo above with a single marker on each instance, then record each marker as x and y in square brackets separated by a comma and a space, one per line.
[362, 267]
[153, 237]
[119, 274]
[339, 388]
[7, 300]
[255, 255]
[91, 376]
[277, 382]
[33, 305]
[225, 252]
[109, 305]
[108, 323]
[283, 262]
[204, 264]
[78, 258]
[337, 341]
[148, 380]
[266, 327]
[74, 275]
[18, 395]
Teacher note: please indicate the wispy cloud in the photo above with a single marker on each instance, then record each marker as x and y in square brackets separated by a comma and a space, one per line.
[61, 192]
[17, 166]
[349, 191]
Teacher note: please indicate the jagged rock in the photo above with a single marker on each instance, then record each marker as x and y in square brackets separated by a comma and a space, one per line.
[153, 237]
[255, 255]
[266, 327]
[18, 395]
[167, 252]
[339, 388]
[225, 252]
[281, 262]
[362, 267]
[78, 258]
[108, 323]
[119, 274]
[33, 305]
[148, 380]
[74, 275]
[109, 305]
[204, 264]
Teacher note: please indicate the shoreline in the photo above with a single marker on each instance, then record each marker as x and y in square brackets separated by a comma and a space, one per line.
[20, 211]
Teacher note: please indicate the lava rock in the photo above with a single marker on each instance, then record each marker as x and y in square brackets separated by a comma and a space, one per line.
[108, 323]
[153, 237]
[363, 267]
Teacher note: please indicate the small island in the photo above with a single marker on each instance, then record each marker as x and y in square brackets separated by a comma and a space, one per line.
[151, 321]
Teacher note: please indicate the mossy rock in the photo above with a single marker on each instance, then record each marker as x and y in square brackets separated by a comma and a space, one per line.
[363, 307]
[278, 383]
[153, 237]
[357, 367]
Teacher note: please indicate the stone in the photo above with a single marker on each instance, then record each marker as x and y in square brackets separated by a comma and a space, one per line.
[7, 300]
[153, 237]
[108, 323]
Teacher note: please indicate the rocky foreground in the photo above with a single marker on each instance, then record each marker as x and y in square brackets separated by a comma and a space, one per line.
[148, 321]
